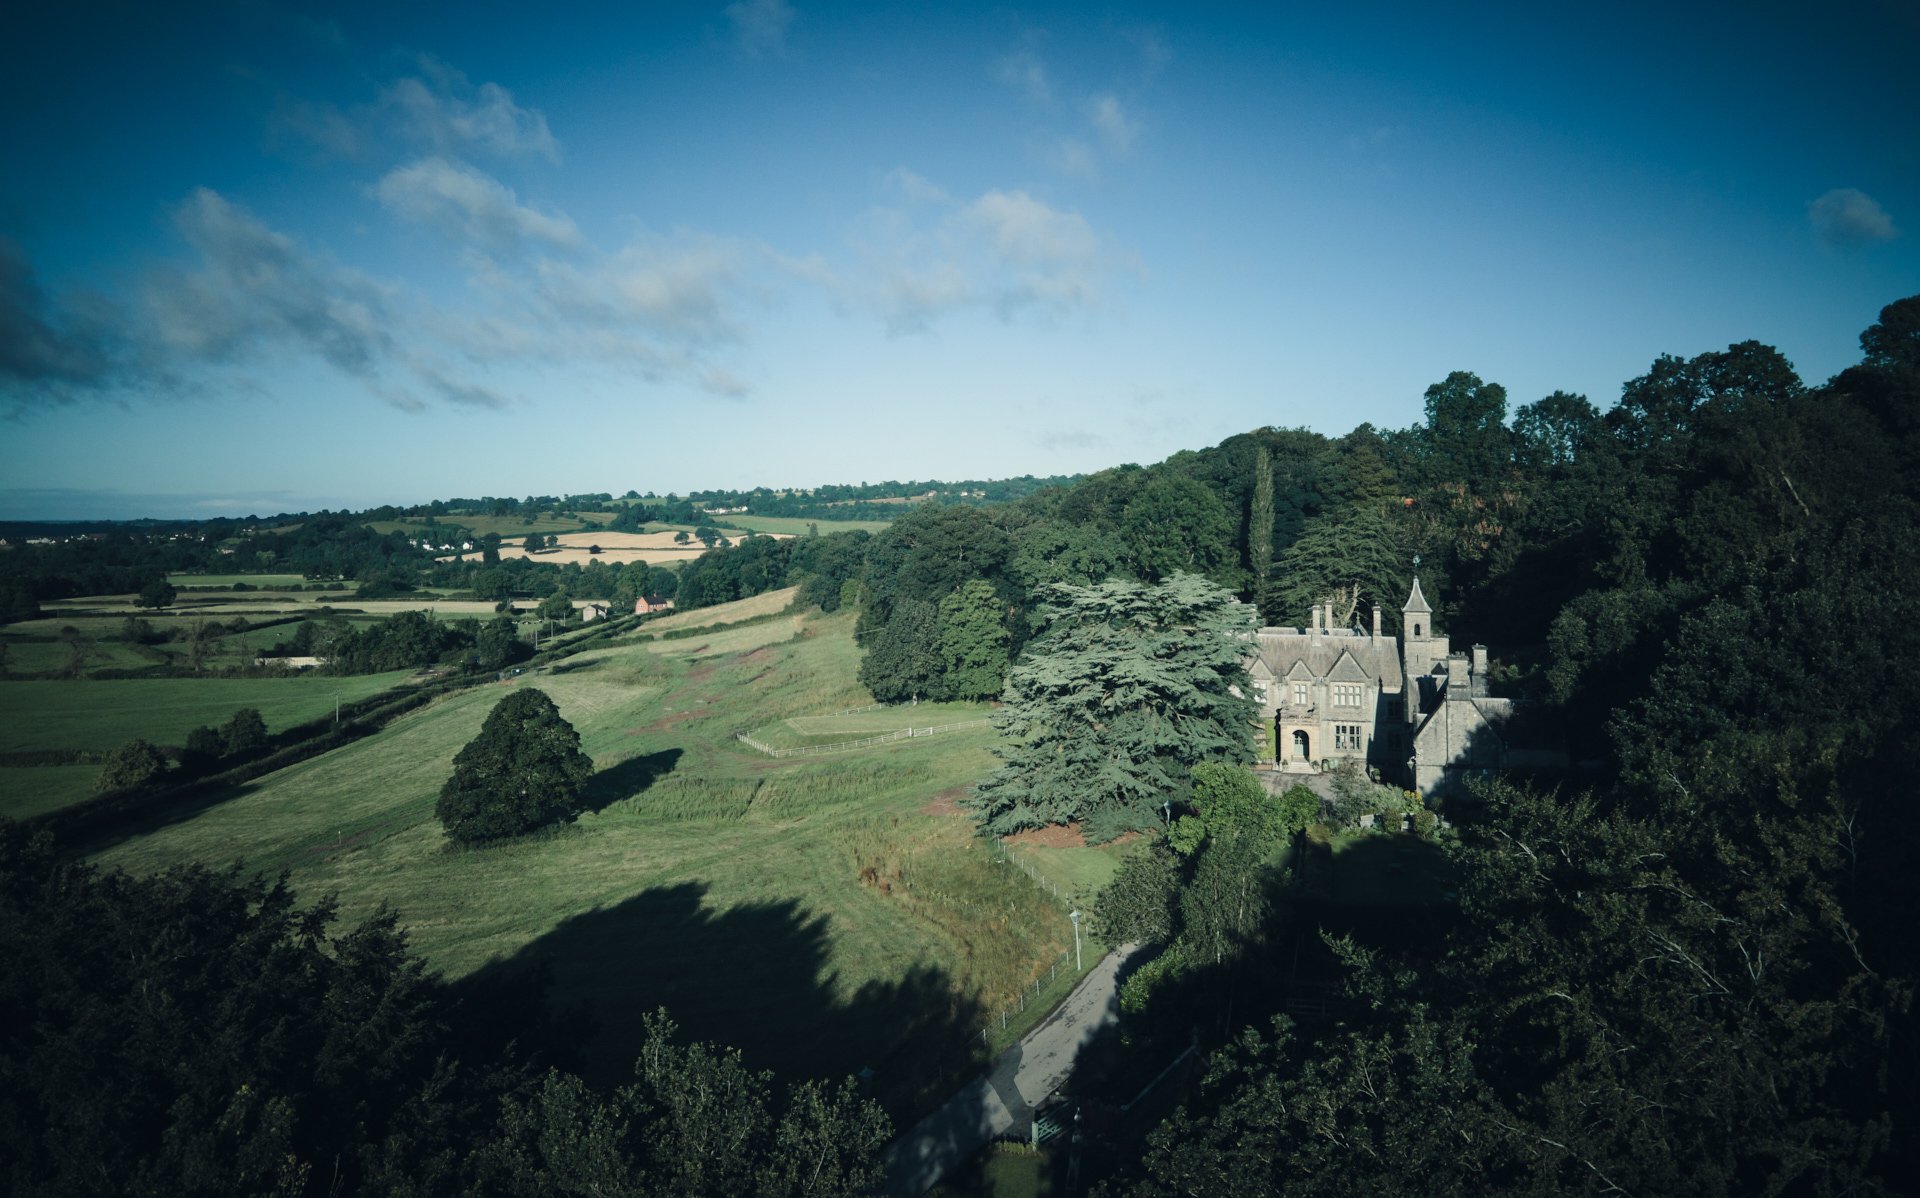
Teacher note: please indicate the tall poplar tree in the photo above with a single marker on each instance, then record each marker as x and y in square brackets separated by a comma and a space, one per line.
[1260, 528]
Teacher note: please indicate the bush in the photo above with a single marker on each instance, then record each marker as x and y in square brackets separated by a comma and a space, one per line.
[135, 764]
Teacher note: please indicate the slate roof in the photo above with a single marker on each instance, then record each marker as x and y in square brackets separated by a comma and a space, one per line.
[1285, 651]
[1417, 601]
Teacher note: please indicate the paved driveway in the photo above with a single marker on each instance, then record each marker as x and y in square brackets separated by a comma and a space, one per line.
[1021, 1078]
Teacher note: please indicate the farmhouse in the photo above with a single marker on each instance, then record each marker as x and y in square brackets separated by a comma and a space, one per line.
[644, 606]
[1417, 712]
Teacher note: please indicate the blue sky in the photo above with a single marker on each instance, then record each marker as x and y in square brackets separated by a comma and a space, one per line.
[263, 257]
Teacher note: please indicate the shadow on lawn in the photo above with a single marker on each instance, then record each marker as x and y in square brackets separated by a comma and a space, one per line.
[753, 976]
[628, 778]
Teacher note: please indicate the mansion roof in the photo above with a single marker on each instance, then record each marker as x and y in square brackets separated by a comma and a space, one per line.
[1341, 654]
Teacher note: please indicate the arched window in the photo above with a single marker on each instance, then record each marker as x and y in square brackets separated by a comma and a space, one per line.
[1417, 632]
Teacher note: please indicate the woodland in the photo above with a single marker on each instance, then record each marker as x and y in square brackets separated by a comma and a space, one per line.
[1684, 966]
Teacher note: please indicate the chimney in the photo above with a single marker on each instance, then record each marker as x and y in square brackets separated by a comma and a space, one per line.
[1479, 669]
[1313, 629]
[1376, 625]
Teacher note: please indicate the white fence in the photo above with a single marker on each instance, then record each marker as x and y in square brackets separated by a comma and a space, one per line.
[1039, 984]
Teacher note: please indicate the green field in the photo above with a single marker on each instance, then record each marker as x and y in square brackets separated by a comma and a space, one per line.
[823, 914]
[30, 790]
[88, 714]
[264, 582]
[879, 721]
[797, 525]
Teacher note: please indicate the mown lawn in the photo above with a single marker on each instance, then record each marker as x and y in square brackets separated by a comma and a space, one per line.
[823, 914]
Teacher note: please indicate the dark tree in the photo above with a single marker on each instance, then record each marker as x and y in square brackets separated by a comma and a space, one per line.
[157, 593]
[244, 732]
[524, 770]
[136, 763]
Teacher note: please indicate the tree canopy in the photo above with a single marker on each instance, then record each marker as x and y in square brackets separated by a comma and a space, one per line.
[524, 770]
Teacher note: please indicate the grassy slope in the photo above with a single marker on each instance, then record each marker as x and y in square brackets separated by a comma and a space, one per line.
[818, 913]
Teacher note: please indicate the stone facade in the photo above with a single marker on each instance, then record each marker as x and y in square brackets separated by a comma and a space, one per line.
[1417, 712]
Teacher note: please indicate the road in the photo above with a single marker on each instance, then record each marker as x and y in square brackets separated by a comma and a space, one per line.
[1003, 1100]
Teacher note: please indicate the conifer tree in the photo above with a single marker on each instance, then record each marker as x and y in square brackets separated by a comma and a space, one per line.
[1130, 686]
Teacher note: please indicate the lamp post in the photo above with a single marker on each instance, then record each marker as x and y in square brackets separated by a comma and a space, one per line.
[1074, 915]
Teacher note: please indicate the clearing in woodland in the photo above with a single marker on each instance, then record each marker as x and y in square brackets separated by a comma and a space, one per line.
[824, 914]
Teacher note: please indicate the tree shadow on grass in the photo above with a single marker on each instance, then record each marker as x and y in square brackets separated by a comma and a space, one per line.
[85, 833]
[756, 977]
[625, 779]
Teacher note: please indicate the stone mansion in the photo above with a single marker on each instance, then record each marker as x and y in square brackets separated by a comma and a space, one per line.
[1417, 711]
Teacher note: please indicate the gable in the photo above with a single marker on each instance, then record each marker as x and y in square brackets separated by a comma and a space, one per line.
[1348, 670]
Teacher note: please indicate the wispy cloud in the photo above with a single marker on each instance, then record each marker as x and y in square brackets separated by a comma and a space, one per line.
[1846, 216]
[442, 109]
[471, 205]
[1006, 250]
[1110, 118]
[255, 288]
[760, 26]
[51, 352]
[1069, 439]
[1076, 139]
[1155, 53]
[1021, 68]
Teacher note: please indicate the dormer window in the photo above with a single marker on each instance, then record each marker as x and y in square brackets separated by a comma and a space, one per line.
[1300, 694]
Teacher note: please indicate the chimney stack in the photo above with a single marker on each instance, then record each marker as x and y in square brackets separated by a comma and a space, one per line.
[1313, 627]
[1376, 625]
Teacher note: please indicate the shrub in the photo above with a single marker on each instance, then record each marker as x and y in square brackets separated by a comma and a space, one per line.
[134, 764]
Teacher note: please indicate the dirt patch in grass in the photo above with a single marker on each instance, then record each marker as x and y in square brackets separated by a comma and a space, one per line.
[947, 802]
[760, 654]
[1058, 836]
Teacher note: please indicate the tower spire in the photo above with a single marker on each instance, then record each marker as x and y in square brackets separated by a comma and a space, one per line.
[1417, 602]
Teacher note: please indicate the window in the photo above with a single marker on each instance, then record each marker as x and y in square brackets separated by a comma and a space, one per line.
[1300, 694]
[1260, 692]
[1347, 694]
[1346, 737]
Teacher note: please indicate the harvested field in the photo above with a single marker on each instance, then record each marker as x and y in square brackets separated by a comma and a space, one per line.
[616, 548]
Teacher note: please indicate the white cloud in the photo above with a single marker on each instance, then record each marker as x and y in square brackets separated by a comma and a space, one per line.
[1004, 250]
[446, 112]
[470, 204]
[760, 26]
[1074, 157]
[1111, 120]
[1022, 70]
[254, 285]
[254, 290]
[1846, 216]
